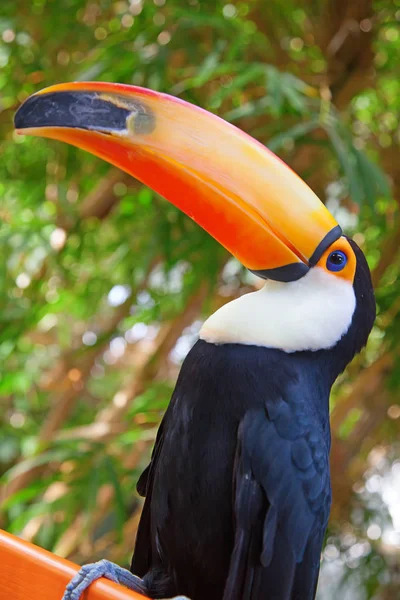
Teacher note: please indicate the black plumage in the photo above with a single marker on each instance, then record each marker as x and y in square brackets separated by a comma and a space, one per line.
[238, 489]
[239, 479]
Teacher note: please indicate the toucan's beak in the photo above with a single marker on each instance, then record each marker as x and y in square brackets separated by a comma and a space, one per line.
[227, 182]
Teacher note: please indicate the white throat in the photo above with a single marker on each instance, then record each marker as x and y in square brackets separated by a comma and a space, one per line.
[309, 314]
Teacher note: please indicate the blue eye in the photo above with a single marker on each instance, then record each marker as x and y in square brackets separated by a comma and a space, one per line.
[336, 261]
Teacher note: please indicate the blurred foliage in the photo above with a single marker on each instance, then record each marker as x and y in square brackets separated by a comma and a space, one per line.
[103, 285]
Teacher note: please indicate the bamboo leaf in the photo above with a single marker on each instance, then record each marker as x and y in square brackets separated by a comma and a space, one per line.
[293, 134]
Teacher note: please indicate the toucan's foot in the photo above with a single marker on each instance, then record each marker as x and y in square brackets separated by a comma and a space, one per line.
[103, 568]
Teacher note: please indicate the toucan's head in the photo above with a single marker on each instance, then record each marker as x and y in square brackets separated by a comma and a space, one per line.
[318, 283]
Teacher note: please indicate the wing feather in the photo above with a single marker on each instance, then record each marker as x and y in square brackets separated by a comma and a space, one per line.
[281, 503]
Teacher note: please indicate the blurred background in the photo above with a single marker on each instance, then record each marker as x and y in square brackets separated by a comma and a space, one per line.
[103, 285]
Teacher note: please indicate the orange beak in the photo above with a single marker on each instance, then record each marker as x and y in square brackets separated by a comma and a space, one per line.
[230, 184]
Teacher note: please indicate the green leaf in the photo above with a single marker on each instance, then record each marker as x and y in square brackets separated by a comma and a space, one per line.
[348, 163]
[292, 134]
[207, 70]
[374, 180]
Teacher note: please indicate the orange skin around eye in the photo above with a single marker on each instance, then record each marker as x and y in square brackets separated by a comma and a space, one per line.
[349, 270]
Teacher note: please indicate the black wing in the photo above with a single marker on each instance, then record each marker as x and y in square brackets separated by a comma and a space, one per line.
[281, 504]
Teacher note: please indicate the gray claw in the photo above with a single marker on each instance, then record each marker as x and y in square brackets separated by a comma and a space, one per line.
[103, 568]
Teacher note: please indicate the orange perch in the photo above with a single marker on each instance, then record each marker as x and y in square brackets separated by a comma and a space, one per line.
[28, 572]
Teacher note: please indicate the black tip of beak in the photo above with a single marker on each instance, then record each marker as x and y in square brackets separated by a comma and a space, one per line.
[83, 110]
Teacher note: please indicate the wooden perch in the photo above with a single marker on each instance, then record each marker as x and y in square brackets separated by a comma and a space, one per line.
[29, 572]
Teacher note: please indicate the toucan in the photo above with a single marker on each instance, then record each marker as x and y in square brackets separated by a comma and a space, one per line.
[237, 493]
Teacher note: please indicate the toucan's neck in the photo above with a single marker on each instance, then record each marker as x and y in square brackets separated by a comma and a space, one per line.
[321, 369]
[315, 375]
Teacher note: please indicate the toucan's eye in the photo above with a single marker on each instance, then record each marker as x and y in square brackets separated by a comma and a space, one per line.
[336, 261]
